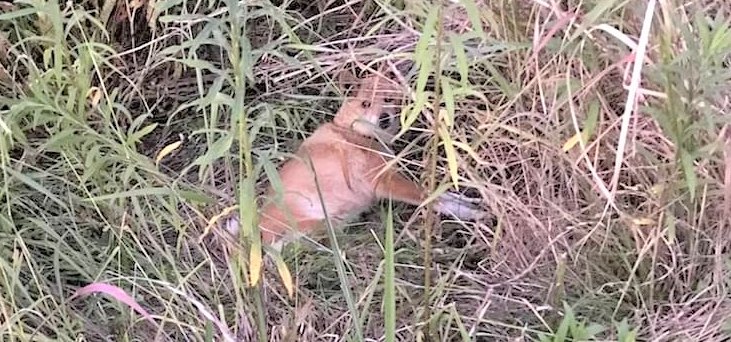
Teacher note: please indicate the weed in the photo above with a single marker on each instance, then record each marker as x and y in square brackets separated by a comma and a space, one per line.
[126, 126]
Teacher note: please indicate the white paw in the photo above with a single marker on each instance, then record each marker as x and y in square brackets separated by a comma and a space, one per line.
[232, 225]
[462, 198]
[459, 206]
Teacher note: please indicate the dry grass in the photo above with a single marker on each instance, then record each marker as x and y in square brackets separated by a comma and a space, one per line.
[619, 233]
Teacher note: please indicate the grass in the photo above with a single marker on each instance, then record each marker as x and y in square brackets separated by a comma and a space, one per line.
[125, 126]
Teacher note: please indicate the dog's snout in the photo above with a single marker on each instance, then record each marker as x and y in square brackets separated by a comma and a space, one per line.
[387, 120]
[384, 121]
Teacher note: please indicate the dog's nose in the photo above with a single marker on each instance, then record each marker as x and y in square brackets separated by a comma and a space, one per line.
[385, 120]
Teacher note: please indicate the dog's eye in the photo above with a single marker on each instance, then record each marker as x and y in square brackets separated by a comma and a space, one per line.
[366, 104]
[388, 100]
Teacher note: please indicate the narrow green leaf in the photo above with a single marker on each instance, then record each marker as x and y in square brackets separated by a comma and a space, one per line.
[217, 150]
[691, 180]
[437, 192]
[17, 14]
[424, 61]
[420, 100]
[137, 136]
[474, 14]
[422, 46]
[721, 41]
[624, 334]
[60, 139]
[592, 119]
[151, 191]
[505, 86]
[460, 57]
[34, 185]
[702, 28]
[248, 210]
[594, 329]
[460, 325]
[339, 259]
[309, 47]
[389, 287]
[595, 14]
[448, 95]
[563, 328]
[273, 176]
[195, 197]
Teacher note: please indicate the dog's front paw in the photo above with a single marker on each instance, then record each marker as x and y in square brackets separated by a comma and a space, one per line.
[460, 206]
[232, 225]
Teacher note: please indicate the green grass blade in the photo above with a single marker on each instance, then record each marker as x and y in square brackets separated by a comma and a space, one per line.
[389, 287]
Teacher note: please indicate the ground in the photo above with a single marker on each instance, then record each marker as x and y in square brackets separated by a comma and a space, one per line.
[594, 131]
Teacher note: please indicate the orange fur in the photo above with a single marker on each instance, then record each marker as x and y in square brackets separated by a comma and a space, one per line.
[351, 172]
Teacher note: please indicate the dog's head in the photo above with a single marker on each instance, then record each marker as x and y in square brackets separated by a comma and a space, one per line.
[372, 106]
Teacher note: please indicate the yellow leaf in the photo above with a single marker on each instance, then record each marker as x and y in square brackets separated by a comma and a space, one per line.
[451, 156]
[646, 221]
[255, 264]
[437, 192]
[215, 219]
[657, 189]
[470, 151]
[571, 142]
[444, 115]
[167, 150]
[589, 127]
[152, 14]
[95, 95]
[284, 273]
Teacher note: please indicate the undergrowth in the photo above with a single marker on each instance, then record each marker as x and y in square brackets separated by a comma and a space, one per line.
[596, 132]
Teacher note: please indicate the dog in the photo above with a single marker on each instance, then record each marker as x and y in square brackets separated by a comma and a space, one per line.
[342, 170]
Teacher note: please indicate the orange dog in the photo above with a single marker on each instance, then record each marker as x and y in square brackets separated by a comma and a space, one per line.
[350, 170]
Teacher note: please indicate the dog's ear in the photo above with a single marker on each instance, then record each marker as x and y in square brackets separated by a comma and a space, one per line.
[347, 81]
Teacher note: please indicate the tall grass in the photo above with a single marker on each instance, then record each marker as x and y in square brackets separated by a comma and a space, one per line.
[125, 127]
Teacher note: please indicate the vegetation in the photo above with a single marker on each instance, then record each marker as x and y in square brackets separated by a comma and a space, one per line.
[595, 131]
